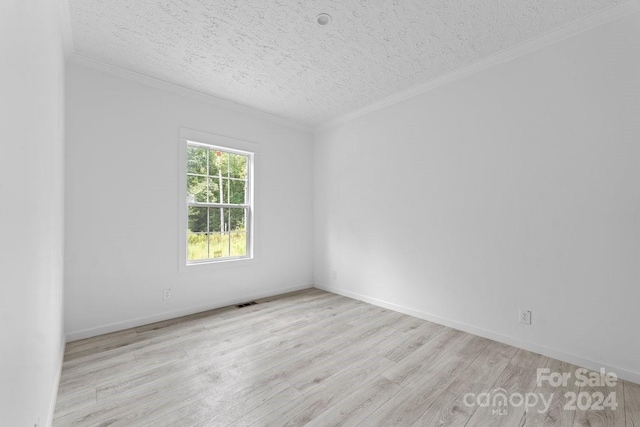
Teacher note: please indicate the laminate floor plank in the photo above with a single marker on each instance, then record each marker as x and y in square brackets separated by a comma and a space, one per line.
[132, 406]
[241, 354]
[119, 374]
[115, 346]
[400, 345]
[555, 395]
[405, 407]
[222, 403]
[600, 414]
[282, 305]
[450, 408]
[134, 403]
[146, 378]
[419, 361]
[75, 401]
[262, 320]
[84, 370]
[373, 326]
[203, 332]
[352, 410]
[109, 373]
[99, 343]
[301, 295]
[241, 416]
[340, 361]
[308, 406]
[410, 323]
[141, 343]
[183, 321]
[632, 403]
[275, 350]
[255, 387]
[520, 376]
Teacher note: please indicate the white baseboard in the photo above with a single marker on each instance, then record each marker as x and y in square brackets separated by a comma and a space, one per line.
[140, 321]
[549, 352]
[56, 384]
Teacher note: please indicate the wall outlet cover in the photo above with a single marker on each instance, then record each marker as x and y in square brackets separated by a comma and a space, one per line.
[525, 316]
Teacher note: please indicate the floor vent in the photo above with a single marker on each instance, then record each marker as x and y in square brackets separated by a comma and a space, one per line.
[246, 304]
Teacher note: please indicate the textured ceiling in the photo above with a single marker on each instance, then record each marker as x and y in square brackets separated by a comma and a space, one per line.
[273, 56]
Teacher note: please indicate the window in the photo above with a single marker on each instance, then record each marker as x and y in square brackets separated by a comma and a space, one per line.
[218, 202]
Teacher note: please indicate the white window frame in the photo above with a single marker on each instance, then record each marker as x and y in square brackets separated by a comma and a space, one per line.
[224, 143]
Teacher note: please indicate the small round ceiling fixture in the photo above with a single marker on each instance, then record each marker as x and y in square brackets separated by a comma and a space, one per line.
[323, 19]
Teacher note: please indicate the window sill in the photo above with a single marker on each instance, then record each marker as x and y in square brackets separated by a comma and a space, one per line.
[217, 265]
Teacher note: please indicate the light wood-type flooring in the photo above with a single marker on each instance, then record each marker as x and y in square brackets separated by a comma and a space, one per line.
[314, 358]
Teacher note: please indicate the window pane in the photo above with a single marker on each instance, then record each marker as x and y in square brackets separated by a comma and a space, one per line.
[218, 163]
[214, 190]
[238, 234]
[225, 191]
[197, 160]
[238, 166]
[224, 163]
[214, 163]
[215, 223]
[237, 191]
[197, 247]
[197, 220]
[237, 219]
[219, 242]
[219, 245]
[233, 191]
[238, 243]
[196, 189]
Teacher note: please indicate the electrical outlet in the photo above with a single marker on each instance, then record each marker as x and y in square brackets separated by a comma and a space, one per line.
[334, 275]
[167, 294]
[525, 316]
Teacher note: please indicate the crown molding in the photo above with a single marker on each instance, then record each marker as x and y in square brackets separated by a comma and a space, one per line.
[65, 27]
[576, 27]
[95, 64]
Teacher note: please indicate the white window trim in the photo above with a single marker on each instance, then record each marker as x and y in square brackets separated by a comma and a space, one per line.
[229, 144]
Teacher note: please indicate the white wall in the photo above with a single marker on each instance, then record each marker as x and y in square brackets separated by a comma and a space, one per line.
[31, 212]
[515, 187]
[122, 206]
